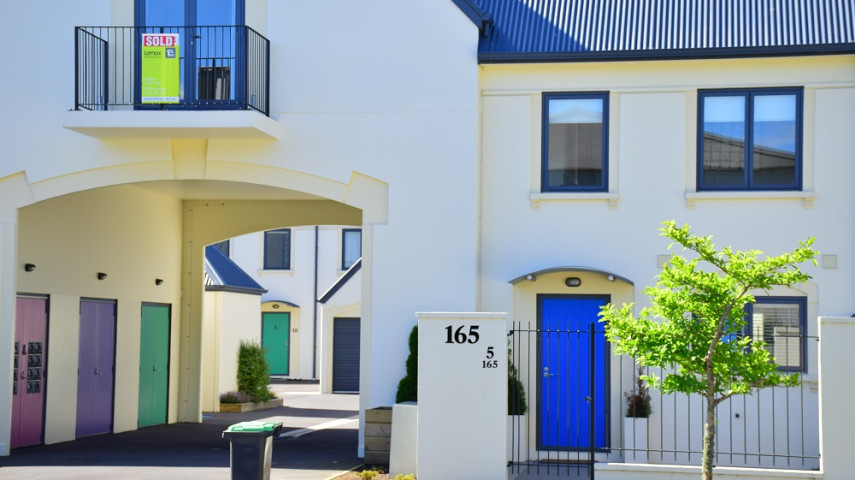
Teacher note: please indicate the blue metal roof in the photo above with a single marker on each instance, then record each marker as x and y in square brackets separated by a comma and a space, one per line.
[568, 30]
[226, 275]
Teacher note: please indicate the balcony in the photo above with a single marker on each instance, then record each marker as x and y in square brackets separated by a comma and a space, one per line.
[211, 81]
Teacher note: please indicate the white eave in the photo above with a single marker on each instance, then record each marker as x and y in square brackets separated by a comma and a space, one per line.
[172, 124]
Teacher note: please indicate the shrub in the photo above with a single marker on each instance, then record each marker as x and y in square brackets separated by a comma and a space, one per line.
[408, 390]
[252, 374]
[235, 397]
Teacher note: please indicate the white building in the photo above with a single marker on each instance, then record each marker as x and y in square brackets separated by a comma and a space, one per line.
[442, 147]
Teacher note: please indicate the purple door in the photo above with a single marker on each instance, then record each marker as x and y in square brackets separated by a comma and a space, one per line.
[28, 387]
[95, 367]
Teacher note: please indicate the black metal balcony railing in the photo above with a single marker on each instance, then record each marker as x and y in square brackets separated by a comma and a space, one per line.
[221, 68]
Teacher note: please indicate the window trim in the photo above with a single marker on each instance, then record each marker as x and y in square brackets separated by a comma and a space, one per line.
[749, 94]
[344, 231]
[264, 252]
[784, 300]
[544, 152]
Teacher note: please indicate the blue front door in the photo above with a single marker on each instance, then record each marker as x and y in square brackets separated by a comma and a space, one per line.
[573, 379]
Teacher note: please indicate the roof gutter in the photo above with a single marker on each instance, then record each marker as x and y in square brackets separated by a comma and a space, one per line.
[650, 55]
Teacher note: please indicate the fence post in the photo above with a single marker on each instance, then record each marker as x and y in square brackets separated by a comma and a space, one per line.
[836, 391]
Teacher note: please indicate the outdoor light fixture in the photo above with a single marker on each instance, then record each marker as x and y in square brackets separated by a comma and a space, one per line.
[530, 277]
[29, 267]
[611, 278]
[573, 281]
[275, 306]
[158, 281]
[102, 275]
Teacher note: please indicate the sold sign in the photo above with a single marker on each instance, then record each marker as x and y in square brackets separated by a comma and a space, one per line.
[160, 39]
[161, 68]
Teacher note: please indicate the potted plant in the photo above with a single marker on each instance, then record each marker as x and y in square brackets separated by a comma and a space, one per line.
[635, 424]
[517, 408]
[252, 381]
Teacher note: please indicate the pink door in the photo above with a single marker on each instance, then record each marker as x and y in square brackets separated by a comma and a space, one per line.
[28, 389]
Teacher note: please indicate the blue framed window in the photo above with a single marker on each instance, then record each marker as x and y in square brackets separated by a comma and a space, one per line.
[575, 142]
[351, 246]
[781, 323]
[277, 249]
[750, 139]
[211, 48]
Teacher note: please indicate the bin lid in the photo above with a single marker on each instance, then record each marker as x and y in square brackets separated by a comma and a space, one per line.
[254, 427]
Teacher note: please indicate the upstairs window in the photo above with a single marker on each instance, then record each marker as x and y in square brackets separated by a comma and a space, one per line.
[277, 249]
[780, 322]
[575, 142]
[223, 247]
[351, 247]
[750, 139]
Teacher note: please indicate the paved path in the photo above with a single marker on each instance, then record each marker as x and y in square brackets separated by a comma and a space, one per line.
[319, 440]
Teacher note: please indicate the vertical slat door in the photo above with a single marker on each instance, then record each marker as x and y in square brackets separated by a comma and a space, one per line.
[29, 362]
[96, 367]
[345, 355]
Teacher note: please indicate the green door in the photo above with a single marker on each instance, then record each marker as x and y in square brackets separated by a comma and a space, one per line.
[154, 364]
[275, 328]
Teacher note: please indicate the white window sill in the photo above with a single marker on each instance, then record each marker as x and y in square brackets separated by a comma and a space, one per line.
[538, 198]
[807, 197]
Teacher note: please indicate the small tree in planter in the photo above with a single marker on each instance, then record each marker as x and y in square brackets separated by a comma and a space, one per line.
[252, 373]
[695, 324]
[408, 387]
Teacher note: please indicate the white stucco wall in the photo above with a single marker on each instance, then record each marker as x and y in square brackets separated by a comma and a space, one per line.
[652, 171]
[371, 109]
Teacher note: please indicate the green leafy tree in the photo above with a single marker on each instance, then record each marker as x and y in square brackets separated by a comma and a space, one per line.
[252, 373]
[695, 324]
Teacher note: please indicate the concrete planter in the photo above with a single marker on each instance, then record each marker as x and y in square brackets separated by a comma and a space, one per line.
[635, 440]
[250, 406]
[403, 452]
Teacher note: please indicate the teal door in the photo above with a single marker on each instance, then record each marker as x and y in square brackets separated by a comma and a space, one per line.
[154, 364]
[275, 328]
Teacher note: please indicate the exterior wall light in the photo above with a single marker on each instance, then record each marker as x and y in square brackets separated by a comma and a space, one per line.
[101, 275]
[530, 277]
[611, 278]
[29, 267]
[573, 281]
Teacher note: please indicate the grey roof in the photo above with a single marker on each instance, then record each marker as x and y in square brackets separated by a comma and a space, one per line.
[225, 275]
[357, 265]
[578, 30]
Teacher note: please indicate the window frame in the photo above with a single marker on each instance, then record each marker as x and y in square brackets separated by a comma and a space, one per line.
[748, 115]
[344, 232]
[267, 233]
[544, 155]
[802, 324]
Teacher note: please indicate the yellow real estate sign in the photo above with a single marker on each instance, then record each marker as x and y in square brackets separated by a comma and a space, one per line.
[161, 68]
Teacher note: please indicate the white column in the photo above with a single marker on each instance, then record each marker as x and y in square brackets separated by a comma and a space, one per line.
[8, 248]
[836, 391]
[463, 385]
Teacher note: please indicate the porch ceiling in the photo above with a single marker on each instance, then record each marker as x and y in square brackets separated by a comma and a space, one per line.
[217, 189]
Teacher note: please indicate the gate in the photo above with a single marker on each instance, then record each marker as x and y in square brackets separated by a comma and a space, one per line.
[562, 365]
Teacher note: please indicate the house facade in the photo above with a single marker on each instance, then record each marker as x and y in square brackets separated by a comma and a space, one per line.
[522, 162]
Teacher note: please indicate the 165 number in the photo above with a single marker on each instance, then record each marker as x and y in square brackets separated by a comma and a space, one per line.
[460, 335]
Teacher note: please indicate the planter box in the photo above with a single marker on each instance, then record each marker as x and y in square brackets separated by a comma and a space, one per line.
[250, 407]
[635, 440]
[378, 435]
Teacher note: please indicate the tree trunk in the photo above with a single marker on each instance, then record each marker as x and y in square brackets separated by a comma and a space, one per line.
[709, 441]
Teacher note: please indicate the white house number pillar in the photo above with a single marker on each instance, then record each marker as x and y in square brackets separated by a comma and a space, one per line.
[463, 399]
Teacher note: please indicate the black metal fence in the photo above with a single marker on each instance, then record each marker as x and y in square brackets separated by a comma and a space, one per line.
[220, 68]
[575, 392]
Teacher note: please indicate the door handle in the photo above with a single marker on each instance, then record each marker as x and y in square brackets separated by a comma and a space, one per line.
[154, 368]
[97, 372]
[546, 373]
[587, 399]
